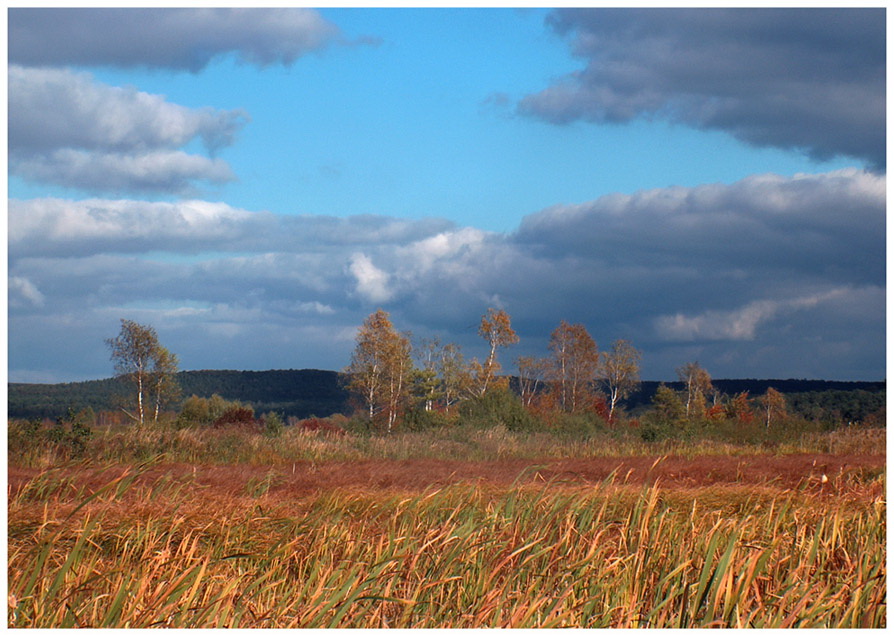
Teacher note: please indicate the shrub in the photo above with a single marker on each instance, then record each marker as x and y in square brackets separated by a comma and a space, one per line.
[67, 436]
[23, 437]
[577, 425]
[498, 406]
[199, 411]
[422, 420]
[272, 424]
[317, 424]
[236, 415]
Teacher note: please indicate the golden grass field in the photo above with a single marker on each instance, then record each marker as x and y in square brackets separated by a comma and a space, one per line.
[704, 540]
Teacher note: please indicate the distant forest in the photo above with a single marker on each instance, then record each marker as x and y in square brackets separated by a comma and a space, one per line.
[311, 392]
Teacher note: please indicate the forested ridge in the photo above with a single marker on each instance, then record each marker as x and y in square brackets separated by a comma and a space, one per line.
[305, 392]
[300, 393]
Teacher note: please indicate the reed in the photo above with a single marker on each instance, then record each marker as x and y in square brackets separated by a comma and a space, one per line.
[131, 445]
[462, 556]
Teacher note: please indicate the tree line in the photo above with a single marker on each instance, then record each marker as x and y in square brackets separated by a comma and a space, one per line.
[395, 382]
[390, 378]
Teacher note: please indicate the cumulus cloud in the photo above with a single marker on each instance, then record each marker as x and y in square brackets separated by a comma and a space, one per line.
[67, 129]
[63, 227]
[807, 79]
[765, 277]
[181, 39]
[166, 172]
[372, 283]
[53, 108]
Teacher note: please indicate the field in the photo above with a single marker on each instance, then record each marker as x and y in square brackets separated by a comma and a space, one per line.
[493, 529]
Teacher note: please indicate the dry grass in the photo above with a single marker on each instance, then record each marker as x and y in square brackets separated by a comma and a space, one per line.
[165, 552]
[130, 445]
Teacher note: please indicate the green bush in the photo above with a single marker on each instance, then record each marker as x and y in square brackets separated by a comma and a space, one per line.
[422, 420]
[498, 406]
[273, 424]
[583, 425]
[66, 437]
[199, 411]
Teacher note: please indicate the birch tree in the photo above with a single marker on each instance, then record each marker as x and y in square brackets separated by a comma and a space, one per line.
[532, 374]
[144, 363]
[773, 406]
[380, 368]
[496, 328]
[619, 372]
[399, 371]
[453, 374]
[696, 385]
[163, 385]
[425, 380]
[575, 362]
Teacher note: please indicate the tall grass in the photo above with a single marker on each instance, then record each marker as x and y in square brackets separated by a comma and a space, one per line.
[463, 556]
[238, 446]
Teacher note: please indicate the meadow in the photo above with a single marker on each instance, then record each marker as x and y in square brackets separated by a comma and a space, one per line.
[452, 528]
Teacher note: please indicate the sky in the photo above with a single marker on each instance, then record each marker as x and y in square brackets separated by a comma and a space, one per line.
[708, 184]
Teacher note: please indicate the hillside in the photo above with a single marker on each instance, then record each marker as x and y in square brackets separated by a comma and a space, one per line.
[306, 392]
[291, 392]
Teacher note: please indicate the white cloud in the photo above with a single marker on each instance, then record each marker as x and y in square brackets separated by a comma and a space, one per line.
[754, 278]
[443, 247]
[22, 292]
[372, 283]
[164, 172]
[737, 324]
[315, 307]
[67, 129]
[47, 226]
[53, 226]
[59, 108]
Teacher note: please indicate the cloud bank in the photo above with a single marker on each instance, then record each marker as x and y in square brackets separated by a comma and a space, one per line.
[767, 276]
[805, 79]
[67, 129]
[179, 39]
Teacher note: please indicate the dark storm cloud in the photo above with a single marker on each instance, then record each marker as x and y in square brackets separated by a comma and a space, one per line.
[766, 277]
[829, 226]
[805, 79]
[183, 39]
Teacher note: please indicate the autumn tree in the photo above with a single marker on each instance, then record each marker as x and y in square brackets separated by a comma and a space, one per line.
[575, 362]
[739, 409]
[163, 384]
[619, 372]
[452, 374]
[667, 406]
[696, 386]
[532, 373]
[496, 329]
[380, 368]
[400, 371]
[426, 386]
[773, 405]
[142, 361]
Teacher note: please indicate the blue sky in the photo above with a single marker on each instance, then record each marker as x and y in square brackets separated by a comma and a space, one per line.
[260, 190]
